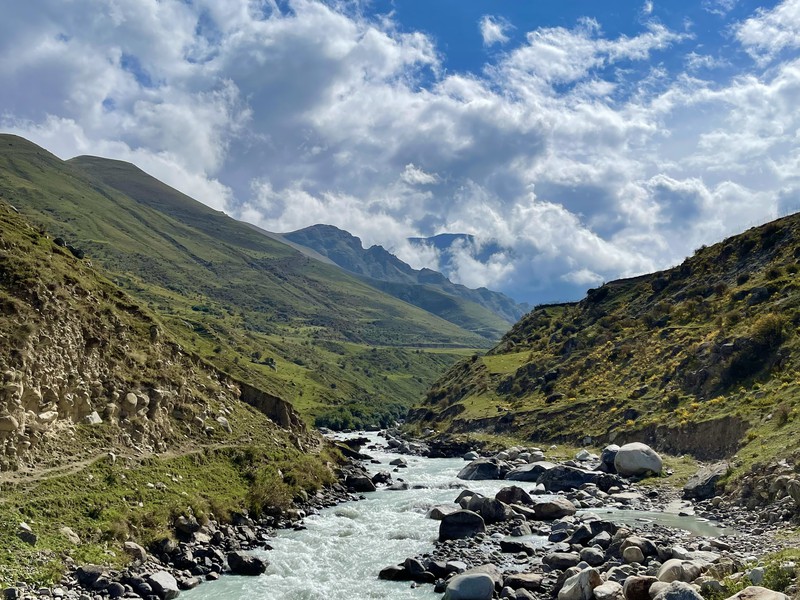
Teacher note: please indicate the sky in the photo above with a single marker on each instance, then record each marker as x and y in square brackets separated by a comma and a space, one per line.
[585, 140]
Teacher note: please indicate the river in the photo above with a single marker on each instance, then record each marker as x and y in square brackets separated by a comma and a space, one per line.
[339, 554]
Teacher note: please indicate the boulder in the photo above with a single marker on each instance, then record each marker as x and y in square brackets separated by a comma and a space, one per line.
[633, 554]
[26, 534]
[439, 512]
[514, 495]
[607, 457]
[561, 560]
[494, 511]
[461, 524]
[246, 564]
[524, 581]
[678, 590]
[580, 586]
[470, 586]
[70, 535]
[703, 484]
[638, 587]
[471, 455]
[564, 478]
[164, 585]
[530, 472]
[8, 423]
[484, 468]
[637, 458]
[553, 509]
[610, 590]
[135, 551]
[676, 569]
[359, 483]
[755, 592]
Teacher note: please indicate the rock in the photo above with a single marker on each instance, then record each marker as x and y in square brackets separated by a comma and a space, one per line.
[514, 547]
[471, 455]
[470, 586]
[8, 424]
[399, 462]
[529, 472]
[188, 583]
[461, 524]
[246, 564]
[484, 468]
[610, 590]
[439, 512]
[186, 525]
[580, 586]
[87, 575]
[592, 557]
[758, 593]
[164, 585]
[678, 590]
[553, 509]
[115, 589]
[135, 551]
[607, 457]
[633, 554]
[359, 483]
[494, 511]
[93, 418]
[702, 485]
[637, 459]
[394, 573]
[382, 477]
[638, 587]
[225, 424]
[514, 495]
[756, 575]
[564, 478]
[524, 581]
[25, 533]
[672, 570]
[71, 536]
[561, 560]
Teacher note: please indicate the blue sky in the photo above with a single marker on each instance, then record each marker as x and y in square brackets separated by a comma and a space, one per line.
[586, 140]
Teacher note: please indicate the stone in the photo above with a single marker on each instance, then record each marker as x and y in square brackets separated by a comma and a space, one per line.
[359, 483]
[514, 495]
[470, 586]
[115, 589]
[8, 423]
[514, 547]
[70, 535]
[494, 511]
[439, 512]
[609, 590]
[755, 592]
[246, 564]
[461, 524]
[637, 458]
[225, 424]
[638, 587]
[633, 554]
[93, 418]
[565, 478]
[524, 581]
[25, 533]
[702, 485]
[580, 586]
[678, 590]
[394, 573]
[135, 551]
[607, 457]
[592, 557]
[676, 569]
[484, 468]
[471, 455]
[561, 560]
[529, 472]
[553, 509]
[164, 585]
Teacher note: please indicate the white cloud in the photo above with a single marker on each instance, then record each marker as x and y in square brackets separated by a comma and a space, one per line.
[769, 32]
[584, 156]
[493, 30]
[647, 8]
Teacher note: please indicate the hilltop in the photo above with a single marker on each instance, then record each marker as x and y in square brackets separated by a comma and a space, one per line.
[340, 352]
[480, 310]
[703, 358]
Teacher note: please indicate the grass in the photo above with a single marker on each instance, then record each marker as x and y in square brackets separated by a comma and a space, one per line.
[228, 293]
[712, 339]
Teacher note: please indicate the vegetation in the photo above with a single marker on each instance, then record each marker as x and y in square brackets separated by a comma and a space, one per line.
[297, 328]
[712, 341]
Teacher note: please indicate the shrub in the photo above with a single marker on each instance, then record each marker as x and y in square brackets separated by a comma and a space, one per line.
[782, 413]
[767, 330]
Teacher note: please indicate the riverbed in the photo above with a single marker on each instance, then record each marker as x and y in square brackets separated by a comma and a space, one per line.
[341, 550]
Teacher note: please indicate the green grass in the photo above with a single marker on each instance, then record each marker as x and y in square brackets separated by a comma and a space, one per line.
[228, 293]
[716, 337]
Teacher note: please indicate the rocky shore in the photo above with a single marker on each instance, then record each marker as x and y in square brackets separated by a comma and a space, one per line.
[547, 534]
[197, 552]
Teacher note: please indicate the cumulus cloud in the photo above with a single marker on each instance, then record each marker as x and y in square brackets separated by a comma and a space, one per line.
[581, 156]
[493, 30]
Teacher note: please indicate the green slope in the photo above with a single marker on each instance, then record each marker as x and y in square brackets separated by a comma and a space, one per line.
[703, 358]
[299, 329]
[482, 311]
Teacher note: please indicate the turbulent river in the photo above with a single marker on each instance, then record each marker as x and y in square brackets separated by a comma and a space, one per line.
[339, 554]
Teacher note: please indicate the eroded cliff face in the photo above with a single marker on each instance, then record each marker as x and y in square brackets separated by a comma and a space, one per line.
[84, 369]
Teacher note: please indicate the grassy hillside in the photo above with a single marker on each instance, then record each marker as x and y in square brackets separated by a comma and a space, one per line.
[702, 358]
[259, 310]
[87, 371]
[482, 311]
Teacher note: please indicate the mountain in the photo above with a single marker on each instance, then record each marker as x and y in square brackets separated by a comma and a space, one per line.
[702, 358]
[476, 310]
[110, 427]
[338, 350]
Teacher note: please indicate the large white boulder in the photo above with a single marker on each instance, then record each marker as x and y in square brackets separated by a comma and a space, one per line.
[637, 459]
